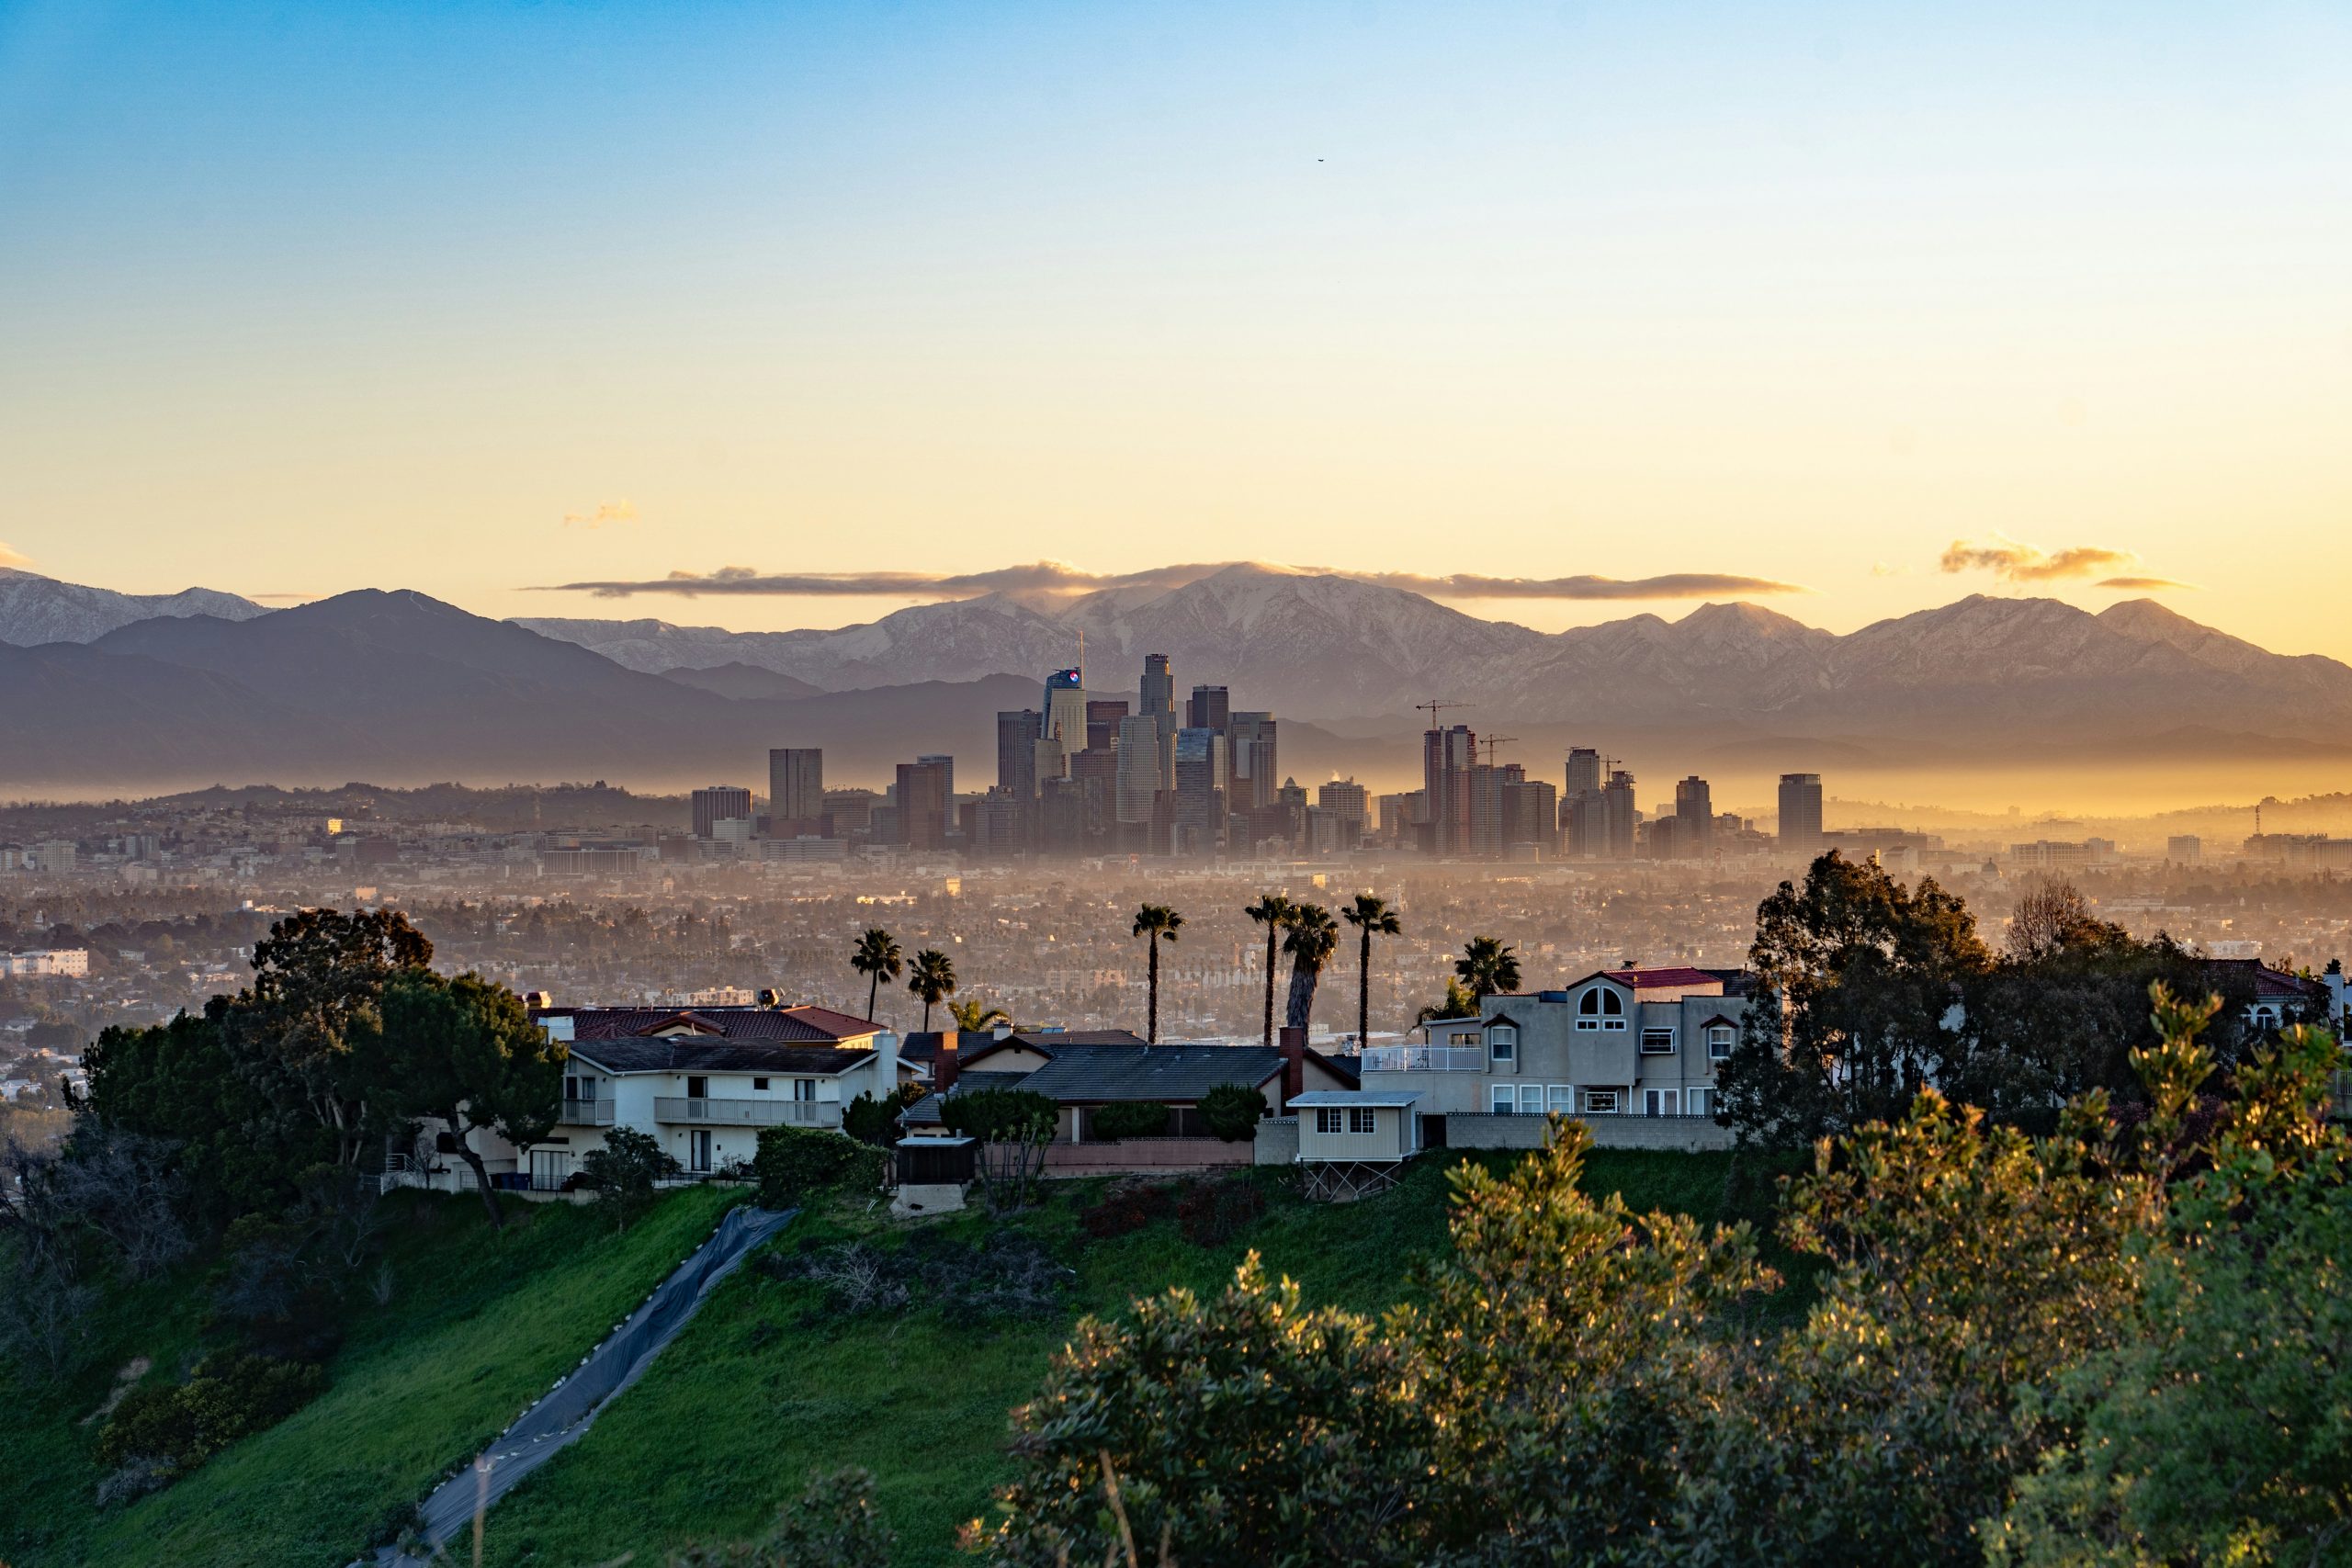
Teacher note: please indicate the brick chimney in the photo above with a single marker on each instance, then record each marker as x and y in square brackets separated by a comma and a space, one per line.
[942, 1067]
[1293, 1049]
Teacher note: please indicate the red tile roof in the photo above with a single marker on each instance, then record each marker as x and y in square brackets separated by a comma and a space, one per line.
[1641, 979]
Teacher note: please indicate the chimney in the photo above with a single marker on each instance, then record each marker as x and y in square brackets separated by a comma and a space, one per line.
[1293, 1050]
[942, 1067]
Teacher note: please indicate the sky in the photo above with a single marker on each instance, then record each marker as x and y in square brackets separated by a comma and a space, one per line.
[483, 299]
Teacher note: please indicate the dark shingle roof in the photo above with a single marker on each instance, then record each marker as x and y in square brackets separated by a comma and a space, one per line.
[689, 1055]
[801, 1025]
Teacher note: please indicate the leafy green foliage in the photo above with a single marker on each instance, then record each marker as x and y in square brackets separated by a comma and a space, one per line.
[1233, 1112]
[1488, 967]
[1128, 1119]
[878, 957]
[834, 1525]
[1457, 1003]
[177, 1081]
[622, 1173]
[1310, 938]
[795, 1164]
[1014, 1126]
[225, 1398]
[932, 979]
[875, 1121]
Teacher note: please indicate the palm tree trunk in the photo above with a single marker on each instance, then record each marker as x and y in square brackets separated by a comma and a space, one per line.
[1302, 997]
[926, 1017]
[873, 993]
[1151, 1005]
[1270, 982]
[1363, 993]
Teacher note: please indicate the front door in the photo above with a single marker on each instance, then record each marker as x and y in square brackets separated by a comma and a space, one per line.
[548, 1169]
[1661, 1101]
[698, 1152]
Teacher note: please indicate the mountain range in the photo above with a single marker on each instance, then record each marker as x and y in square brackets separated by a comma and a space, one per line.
[403, 688]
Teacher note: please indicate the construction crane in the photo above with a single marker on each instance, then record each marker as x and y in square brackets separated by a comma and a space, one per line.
[1432, 706]
[1494, 745]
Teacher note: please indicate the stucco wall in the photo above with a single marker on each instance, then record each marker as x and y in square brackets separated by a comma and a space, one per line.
[1691, 1132]
[1149, 1156]
[1278, 1140]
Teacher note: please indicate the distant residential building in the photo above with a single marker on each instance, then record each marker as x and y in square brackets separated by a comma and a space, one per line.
[47, 960]
[1347, 799]
[1198, 801]
[1251, 738]
[925, 797]
[796, 791]
[1694, 818]
[850, 811]
[1137, 775]
[1618, 816]
[1447, 756]
[1530, 816]
[718, 804]
[1801, 812]
[2054, 855]
[2184, 849]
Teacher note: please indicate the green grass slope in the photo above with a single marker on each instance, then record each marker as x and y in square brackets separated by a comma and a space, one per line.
[764, 1386]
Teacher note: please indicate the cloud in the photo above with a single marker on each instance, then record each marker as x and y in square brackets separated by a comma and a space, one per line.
[2013, 562]
[1674, 586]
[1057, 576]
[608, 512]
[2152, 584]
[11, 557]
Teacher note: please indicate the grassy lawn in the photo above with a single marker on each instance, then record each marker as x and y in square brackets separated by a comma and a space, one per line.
[765, 1386]
[475, 1327]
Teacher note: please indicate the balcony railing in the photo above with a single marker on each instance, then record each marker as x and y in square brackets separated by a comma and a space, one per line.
[749, 1113]
[587, 1113]
[1423, 1059]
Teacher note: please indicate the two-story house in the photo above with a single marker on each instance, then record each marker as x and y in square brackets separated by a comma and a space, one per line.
[705, 1081]
[1617, 1043]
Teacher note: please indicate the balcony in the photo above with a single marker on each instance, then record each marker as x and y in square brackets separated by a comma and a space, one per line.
[749, 1113]
[587, 1113]
[1423, 1059]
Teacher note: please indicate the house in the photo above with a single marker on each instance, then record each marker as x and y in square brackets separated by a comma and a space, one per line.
[2278, 999]
[705, 1080]
[1352, 1143]
[1012, 1050]
[1642, 1042]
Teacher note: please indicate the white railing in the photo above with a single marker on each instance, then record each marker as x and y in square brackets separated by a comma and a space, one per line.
[587, 1113]
[1423, 1059]
[749, 1113]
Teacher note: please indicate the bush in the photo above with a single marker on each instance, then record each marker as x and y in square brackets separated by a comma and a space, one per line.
[1126, 1207]
[834, 1525]
[1233, 1112]
[1009, 1274]
[798, 1163]
[1213, 1212]
[623, 1172]
[180, 1425]
[1129, 1119]
[872, 1120]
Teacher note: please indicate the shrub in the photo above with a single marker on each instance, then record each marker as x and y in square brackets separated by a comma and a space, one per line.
[834, 1525]
[799, 1163]
[1009, 1274]
[1233, 1112]
[623, 1172]
[1126, 1207]
[180, 1425]
[1213, 1212]
[1129, 1119]
[872, 1120]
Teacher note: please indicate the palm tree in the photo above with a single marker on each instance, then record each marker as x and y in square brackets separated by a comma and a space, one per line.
[933, 976]
[1312, 938]
[1154, 922]
[1271, 910]
[1488, 967]
[875, 957]
[974, 1016]
[1372, 916]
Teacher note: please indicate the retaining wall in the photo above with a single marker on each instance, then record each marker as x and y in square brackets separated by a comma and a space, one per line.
[1145, 1156]
[1278, 1141]
[1480, 1130]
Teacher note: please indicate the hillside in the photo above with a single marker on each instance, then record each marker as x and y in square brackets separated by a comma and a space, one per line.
[37, 609]
[763, 1385]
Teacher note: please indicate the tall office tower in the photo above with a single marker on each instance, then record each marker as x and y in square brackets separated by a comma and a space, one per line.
[1096, 771]
[1251, 738]
[719, 803]
[1198, 812]
[1488, 785]
[1137, 770]
[1066, 709]
[1209, 709]
[1347, 799]
[1801, 812]
[1584, 773]
[1102, 724]
[1399, 814]
[1447, 756]
[1016, 751]
[1158, 703]
[795, 792]
[1694, 818]
[1530, 816]
[926, 796]
[1618, 813]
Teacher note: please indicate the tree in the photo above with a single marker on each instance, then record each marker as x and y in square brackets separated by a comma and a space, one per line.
[1154, 922]
[875, 1121]
[1273, 911]
[622, 1173]
[877, 957]
[317, 980]
[2052, 915]
[1233, 1112]
[798, 1163]
[1311, 939]
[464, 1052]
[1372, 917]
[1856, 977]
[932, 979]
[1130, 1119]
[1012, 1127]
[972, 1017]
[178, 1082]
[1488, 967]
[1457, 1003]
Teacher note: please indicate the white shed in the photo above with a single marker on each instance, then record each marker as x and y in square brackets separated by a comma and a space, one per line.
[1354, 1140]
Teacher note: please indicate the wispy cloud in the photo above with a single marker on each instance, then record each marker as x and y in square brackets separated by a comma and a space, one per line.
[12, 558]
[609, 511]
[2013, 562]
[2156, 584]
[1057, 576]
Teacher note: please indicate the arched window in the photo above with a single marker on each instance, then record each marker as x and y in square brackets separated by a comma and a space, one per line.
[1591, 1006]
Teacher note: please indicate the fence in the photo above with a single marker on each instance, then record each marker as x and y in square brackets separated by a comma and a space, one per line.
[1148, 1157]
[1485, 1131]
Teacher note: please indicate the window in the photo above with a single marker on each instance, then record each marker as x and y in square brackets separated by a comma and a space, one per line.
[1600, 1101]
[1600, 1008]
[1502, 1041]
[1563, 1099]
[1719, 1042]
[1327, 1120]
[697, 1088]
[1699, 1101]
[804, 1089]
[1504, 1098]
[759, 1086]
[1360, 1120]
[579, 1087]
[1531, 1100]
[1657, 1042]
[1466, 1038]
[1661, 1102]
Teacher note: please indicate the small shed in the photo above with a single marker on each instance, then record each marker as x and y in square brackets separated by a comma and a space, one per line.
[1354, 1142]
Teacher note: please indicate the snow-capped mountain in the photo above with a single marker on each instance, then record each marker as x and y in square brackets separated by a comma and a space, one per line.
[36, 609]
